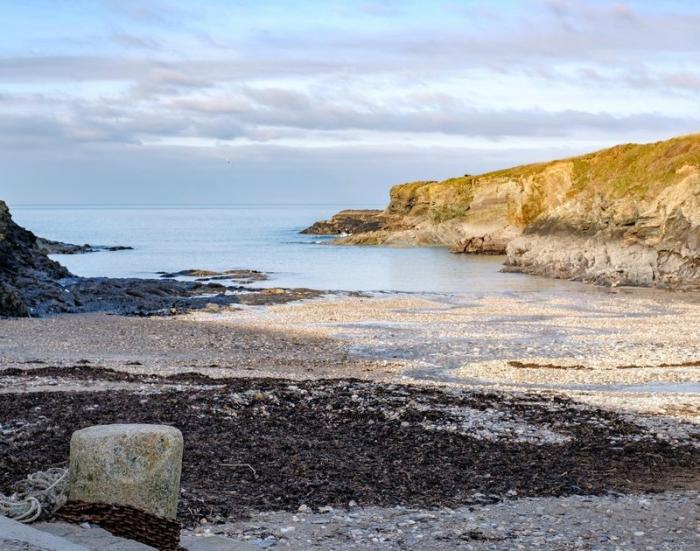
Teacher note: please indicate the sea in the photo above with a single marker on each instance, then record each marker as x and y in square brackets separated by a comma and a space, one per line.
[266, 238]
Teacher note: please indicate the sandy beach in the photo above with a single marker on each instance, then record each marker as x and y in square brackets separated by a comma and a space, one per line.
[400, 400]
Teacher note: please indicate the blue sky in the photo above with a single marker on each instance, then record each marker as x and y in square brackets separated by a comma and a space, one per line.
[118, 101]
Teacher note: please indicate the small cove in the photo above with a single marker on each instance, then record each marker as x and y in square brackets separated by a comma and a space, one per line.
[263, 238]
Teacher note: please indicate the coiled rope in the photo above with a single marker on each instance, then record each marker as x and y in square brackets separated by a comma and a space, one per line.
[41, 494]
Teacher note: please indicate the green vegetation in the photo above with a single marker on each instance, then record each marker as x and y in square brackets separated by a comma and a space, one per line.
[636, 171]
[443, 213]
[630, 169]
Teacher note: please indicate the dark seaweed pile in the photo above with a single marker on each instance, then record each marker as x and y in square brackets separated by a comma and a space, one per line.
[270, 444]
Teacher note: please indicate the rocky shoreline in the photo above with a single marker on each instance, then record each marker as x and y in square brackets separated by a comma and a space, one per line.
[348, 222]
[629, 215]
[32, 284]
[48, 246]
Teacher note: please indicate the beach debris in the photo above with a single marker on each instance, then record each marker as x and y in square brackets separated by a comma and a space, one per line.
[38, 496]
[313, 445]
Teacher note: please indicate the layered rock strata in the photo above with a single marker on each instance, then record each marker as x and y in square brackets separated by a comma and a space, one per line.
[626, 215]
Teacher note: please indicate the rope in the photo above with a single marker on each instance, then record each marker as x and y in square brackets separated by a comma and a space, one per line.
[125, 521]
[41, 494]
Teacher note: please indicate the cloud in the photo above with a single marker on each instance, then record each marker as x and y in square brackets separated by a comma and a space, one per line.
[136, 42]
[218, 105]
[416, 114]
[35, 132]
[69, 68]
[65, 68]
[639, 78]
[344, 78]
[165, 81]
[623, 11]
[270, 113]
[591, 11]
[152, 12]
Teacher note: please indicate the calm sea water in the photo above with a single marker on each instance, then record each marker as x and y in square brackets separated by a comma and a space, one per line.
[265, 238]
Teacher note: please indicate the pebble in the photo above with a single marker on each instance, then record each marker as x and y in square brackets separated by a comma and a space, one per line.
[576, 522]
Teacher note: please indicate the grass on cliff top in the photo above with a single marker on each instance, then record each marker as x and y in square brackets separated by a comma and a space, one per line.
[635, 171]
[636, 168]
[629, 169]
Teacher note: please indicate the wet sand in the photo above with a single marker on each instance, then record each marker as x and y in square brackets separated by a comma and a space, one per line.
[633, 349]
[173, 345]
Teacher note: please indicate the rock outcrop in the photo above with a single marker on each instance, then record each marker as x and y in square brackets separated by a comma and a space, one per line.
[27, 276]
[240, 277]
[348, 222]
[648, 236]
[58, 247]
[31, 284]
[626, 215]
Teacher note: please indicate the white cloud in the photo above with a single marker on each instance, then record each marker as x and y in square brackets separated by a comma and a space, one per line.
[380, 76]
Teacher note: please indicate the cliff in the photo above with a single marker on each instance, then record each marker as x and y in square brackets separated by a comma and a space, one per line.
[27, 276]
[625, 215]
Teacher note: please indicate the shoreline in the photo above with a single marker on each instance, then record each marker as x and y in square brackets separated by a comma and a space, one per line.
[639, 343]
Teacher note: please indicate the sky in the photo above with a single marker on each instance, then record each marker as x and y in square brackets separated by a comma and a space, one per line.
[325, 102]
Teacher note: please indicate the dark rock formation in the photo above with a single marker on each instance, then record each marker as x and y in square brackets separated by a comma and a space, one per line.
[27, 276]
[147, 297]
[349, 222]
[238, 276]
[31, 284]
[58, 247]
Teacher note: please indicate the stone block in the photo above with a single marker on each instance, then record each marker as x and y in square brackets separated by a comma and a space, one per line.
[137, 465]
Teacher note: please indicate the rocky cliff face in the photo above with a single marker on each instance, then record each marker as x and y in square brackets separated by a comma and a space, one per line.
[27, 276]
[625, 215]
[649, 239]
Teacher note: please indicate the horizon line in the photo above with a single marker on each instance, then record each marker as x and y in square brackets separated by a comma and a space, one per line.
[176, 205]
